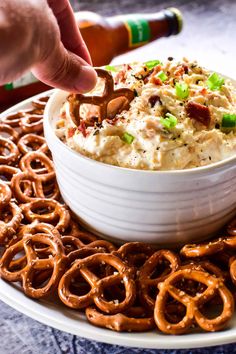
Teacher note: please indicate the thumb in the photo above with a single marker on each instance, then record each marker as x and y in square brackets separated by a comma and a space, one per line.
[65, 70]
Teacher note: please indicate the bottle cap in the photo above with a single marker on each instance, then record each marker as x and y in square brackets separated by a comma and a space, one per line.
[174, 14]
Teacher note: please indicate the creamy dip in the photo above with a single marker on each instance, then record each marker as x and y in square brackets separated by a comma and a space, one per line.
[182, 117]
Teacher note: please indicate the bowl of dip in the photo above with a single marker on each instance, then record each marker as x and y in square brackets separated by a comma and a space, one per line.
[161, 171]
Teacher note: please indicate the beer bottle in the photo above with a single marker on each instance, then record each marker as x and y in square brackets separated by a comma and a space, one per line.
[106, 37]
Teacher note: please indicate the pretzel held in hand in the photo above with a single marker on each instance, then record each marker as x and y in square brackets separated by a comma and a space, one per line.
[109, 94]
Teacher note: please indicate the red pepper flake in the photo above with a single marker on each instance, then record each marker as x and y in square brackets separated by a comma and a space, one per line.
[203, 91]
[198, 112]
[71, 132]
[82, 128]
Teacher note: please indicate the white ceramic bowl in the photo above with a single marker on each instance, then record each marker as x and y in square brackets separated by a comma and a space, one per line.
[159, 207]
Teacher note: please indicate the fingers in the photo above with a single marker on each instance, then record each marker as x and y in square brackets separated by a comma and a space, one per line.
[70, 34]
[65, 70]
[16, 34]
[58, 66]
[30, 39]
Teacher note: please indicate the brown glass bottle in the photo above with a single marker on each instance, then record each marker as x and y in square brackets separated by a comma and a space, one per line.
[106, 37]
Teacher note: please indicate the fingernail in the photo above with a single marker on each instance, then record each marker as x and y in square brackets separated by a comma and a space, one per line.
[87, 79]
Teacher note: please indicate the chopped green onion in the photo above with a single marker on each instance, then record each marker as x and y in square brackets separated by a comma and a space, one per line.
[152, 63]
[162, 76]
[111, 68]
[169, 121]
[181, 90]
[127, 138]
[215, 82]
[228, 121]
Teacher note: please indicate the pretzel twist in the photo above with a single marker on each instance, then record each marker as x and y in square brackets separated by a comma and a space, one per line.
[193, 304]
[5, 195]
[13, 119]
[28, 187]
[32, 121]
[30, 142]
[40, 102]
[13, 155]
[44, 174]
[120, 322]
[232, 269]
[109, 94]
[209, 248]
[7, 172]
[147, 282]
[134, 254]
[10, 219]
[96, 294]
[55, 262]
[11, 133]
[47, 211]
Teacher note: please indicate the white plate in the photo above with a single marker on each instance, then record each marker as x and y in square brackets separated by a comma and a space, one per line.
[55, 314]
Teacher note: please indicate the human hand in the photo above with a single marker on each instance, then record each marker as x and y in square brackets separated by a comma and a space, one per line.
[44, 37]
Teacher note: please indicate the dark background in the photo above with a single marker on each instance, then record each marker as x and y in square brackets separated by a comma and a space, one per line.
[209, 36]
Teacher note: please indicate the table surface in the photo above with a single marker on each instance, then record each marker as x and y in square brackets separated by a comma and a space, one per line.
[208, 36]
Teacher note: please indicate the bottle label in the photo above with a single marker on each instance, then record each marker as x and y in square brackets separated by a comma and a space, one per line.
[139, 31]
[25, 80]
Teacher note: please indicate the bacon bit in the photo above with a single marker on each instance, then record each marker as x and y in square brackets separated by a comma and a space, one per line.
[198, 112]
[127, 67]
[63, 115]
[157, 69]
[185, 67]
[122, 74]
[181, 70]
[120, 77]
[82, 128]
[71, 132]
[155, 80]
[153, 100]
[151, 73]
[203, 91]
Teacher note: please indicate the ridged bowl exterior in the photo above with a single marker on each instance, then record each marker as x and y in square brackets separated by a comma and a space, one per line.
[167, 208]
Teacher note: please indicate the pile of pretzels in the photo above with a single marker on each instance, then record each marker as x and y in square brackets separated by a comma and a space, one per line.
[131, 288]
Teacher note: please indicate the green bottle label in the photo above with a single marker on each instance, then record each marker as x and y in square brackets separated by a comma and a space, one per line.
[139, 31]
[25, 80]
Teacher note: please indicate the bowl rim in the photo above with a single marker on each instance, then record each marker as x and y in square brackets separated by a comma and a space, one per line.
[189, 171]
